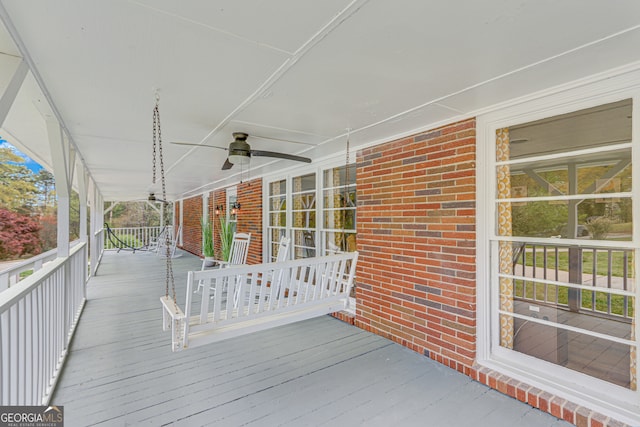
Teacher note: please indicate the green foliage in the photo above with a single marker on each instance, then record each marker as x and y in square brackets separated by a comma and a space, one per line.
[207, 238]
[18, 191]
[599, 227]
[226, 237]
[135, 214]
[588, 299]
[602, 261]
[538, 218]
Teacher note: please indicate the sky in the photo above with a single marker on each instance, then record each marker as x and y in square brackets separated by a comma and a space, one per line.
[28, 161]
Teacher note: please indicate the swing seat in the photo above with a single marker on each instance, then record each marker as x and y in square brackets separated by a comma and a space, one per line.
[257, 297]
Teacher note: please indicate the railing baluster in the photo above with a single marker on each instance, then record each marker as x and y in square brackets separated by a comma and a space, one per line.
[594, 278]
[36, 319]
[625, 274]
[609, 274]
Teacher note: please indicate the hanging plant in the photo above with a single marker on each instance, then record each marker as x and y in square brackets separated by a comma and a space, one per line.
[226, 237]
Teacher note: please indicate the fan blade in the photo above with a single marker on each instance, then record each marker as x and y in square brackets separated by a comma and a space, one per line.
[227, 165]
[280, 139]
[198, 145]
[280, 156]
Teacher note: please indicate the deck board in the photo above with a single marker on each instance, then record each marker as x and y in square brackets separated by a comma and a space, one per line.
[121, 371]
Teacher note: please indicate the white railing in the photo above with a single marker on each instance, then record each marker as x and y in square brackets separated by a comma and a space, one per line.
[131, 237]
[12, 275]
[96, 246]
[37, 320]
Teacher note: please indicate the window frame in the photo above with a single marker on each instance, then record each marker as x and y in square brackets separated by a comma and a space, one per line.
[288, 176]
[573, 385]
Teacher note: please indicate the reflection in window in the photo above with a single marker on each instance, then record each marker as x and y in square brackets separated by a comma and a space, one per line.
[567, 292]
[304, 215]
[339, 216]
[277, 206]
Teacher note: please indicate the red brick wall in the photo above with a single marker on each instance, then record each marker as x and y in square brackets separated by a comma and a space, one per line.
[191, 228]
[416, 237]
[250, 217]
[249, 196]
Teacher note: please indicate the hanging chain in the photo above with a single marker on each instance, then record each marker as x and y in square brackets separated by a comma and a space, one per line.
[156, 117]
[157, 141]
[345, 202]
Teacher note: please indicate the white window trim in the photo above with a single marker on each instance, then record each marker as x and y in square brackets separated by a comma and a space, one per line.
[230, 192]
[335, 161]
[579, 388]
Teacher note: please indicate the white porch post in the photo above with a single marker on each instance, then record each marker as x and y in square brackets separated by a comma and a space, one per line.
[93, 244]
[82, 193]
[63, 161]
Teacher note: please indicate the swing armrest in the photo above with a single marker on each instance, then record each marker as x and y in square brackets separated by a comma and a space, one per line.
[174, 319]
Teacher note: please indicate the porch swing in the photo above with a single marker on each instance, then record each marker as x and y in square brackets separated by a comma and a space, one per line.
[252, 298]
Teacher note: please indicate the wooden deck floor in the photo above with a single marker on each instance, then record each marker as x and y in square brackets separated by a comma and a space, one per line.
[121, 370]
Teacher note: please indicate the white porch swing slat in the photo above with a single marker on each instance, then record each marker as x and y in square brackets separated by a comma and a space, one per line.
[258, 297]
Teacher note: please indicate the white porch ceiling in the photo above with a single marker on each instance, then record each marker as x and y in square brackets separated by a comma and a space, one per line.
[290, 69]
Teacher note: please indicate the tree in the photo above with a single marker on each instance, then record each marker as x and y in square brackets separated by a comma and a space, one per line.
[18, 235]
[18, 191]
[46, 184]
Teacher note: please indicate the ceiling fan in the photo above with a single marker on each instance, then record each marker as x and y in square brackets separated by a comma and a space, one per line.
[240, 151]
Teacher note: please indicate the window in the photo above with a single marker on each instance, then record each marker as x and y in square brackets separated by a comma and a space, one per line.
[339, 212]
[232, 215]
[562, 290]
[296, 203]
[304, 216]
[277, 216]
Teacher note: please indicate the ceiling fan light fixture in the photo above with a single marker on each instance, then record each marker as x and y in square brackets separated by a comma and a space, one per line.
[239, 159]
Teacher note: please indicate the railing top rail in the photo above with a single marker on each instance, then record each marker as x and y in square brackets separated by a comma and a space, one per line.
[16, 292]
[585, 244]
[49, 255]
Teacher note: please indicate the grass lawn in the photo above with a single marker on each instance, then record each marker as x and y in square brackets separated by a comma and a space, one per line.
[602, 261]
[589, 298]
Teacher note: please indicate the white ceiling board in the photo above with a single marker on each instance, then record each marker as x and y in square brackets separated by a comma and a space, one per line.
[276, 24]
[600, 57]
[393, 56]
[290, 69]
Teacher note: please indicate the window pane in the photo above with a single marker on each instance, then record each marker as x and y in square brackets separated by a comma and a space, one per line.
[598, 268]
[304, 201]
[340, 219]
[337, 241]
[304, 244]
[337, 177]
[597, 219]
[278, 219]
[593, 127]
[594, 356]
[595, 174]
[278, 187]
[304, 183]
[274, 235]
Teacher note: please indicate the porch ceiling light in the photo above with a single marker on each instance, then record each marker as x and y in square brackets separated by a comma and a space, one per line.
[239, 159]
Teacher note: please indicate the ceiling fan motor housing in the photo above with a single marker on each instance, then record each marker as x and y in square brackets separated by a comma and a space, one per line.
[239, 148]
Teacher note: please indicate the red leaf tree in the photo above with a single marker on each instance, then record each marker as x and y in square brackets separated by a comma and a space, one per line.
[18, 235]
